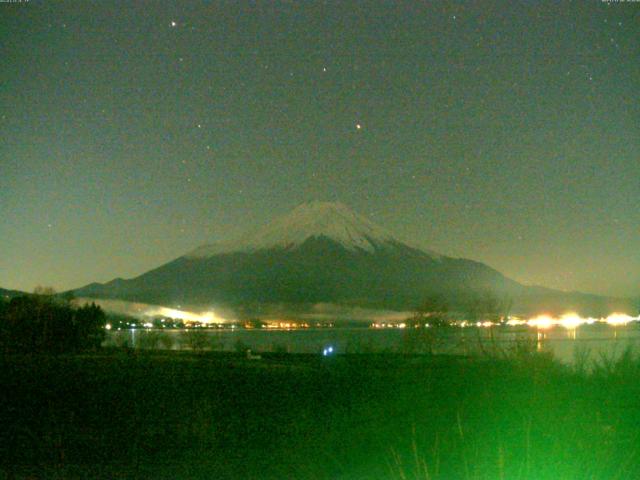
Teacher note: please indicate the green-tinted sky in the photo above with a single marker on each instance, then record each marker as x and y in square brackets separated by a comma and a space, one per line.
[507, 132]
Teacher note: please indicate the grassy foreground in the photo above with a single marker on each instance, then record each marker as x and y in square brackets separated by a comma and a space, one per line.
[182, 415]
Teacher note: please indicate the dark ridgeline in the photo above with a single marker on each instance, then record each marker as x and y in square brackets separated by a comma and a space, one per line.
[7, 294]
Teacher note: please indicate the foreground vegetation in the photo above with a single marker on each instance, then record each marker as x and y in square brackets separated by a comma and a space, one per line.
[44, 322]
[128, 414]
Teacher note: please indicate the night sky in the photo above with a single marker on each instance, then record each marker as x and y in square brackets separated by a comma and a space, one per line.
[506, 132]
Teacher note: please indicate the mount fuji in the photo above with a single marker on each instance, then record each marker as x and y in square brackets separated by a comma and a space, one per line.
[323, 253]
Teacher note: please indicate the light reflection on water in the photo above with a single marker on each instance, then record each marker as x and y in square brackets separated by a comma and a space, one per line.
[598, 340]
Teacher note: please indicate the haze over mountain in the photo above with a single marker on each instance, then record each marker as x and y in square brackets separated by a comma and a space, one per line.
[324, 252]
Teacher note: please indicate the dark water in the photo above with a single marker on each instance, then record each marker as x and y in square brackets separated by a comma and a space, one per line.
[593, 341]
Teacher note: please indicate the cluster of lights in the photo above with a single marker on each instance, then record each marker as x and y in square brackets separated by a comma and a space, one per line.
[206, 317]
[570, 321]
[187, 321]
[389, 325]
[327, 351]
[284, 325]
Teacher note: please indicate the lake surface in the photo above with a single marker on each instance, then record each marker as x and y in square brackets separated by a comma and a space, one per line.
[594, 341]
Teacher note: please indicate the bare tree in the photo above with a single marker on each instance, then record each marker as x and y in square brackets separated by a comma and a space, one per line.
[424, 332]
[487, 306]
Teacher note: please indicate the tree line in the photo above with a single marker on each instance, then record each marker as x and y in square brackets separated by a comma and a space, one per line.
[44, 322]
[436, 313]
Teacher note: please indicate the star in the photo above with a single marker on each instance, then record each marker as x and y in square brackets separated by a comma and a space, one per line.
[173, 24]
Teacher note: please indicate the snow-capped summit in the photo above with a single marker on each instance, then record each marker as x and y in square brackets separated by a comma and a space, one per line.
[324, 253]
[334, 221]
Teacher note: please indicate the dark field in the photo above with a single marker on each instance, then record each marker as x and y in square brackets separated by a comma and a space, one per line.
[122, 414]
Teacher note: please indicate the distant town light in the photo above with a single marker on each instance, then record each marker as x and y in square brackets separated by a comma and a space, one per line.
[619, 319]
[542, 321]
[571, 321]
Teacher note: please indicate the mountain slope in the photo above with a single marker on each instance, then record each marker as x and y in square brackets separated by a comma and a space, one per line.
[319, 253]
[10, 293]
